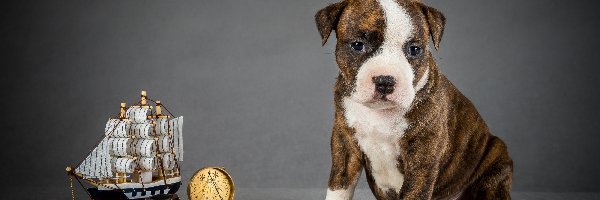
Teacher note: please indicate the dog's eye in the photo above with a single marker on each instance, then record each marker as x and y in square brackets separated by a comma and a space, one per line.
[414, 50]
[357, 46]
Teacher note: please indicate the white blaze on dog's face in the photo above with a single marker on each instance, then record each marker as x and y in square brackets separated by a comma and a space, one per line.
[382, 51]
[388, 68]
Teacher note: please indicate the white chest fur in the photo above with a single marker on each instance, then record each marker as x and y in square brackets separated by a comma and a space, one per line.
[378, 134]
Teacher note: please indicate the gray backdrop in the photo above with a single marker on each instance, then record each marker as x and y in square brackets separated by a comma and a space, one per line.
[255, 86]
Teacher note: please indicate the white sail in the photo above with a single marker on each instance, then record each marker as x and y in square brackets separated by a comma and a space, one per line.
[116, 128]
[119, 146]
[141, 130]
[97, 164]
[137, 114]
[165, 143]
[124, 165]
[143, 147]
[162, 126]
[177, 127]
[147, 163]
[168, 161]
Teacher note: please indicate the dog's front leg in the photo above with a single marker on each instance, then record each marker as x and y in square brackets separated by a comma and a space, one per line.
[347, 162]
[421, 155]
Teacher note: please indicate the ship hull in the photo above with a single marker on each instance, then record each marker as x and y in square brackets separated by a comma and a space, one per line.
[135, 193]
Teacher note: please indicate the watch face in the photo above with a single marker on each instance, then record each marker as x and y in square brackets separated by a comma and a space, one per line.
[210, 183]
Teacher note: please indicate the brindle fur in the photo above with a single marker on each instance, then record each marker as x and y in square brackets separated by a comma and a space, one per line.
[447, 151]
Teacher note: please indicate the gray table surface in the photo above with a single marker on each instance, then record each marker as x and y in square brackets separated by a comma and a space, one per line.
[276, 194]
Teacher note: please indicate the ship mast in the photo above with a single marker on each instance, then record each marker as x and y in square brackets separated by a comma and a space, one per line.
[122, 111]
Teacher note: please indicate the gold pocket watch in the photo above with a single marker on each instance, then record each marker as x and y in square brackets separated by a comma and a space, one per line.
[211, 183]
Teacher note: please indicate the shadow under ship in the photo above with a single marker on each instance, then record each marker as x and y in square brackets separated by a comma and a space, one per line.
[137, 158]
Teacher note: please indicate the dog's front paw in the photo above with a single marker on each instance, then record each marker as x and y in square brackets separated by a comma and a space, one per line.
[339, 194]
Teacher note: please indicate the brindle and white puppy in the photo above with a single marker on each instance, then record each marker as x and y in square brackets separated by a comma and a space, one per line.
[398, 117]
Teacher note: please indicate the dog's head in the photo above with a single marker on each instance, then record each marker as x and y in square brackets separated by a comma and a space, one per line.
[382, 48]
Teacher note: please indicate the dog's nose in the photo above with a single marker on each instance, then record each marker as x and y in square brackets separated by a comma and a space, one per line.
[384, 84]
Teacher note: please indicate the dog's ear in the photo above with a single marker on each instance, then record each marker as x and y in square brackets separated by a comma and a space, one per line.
[327, 19]
[436, 22]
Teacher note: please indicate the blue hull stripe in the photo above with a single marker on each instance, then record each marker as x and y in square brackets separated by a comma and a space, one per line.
[116, 194]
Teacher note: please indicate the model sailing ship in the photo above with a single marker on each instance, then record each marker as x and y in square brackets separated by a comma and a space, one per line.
[138, 157]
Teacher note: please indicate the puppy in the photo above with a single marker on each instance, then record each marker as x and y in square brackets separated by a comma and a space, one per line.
[398, 117]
